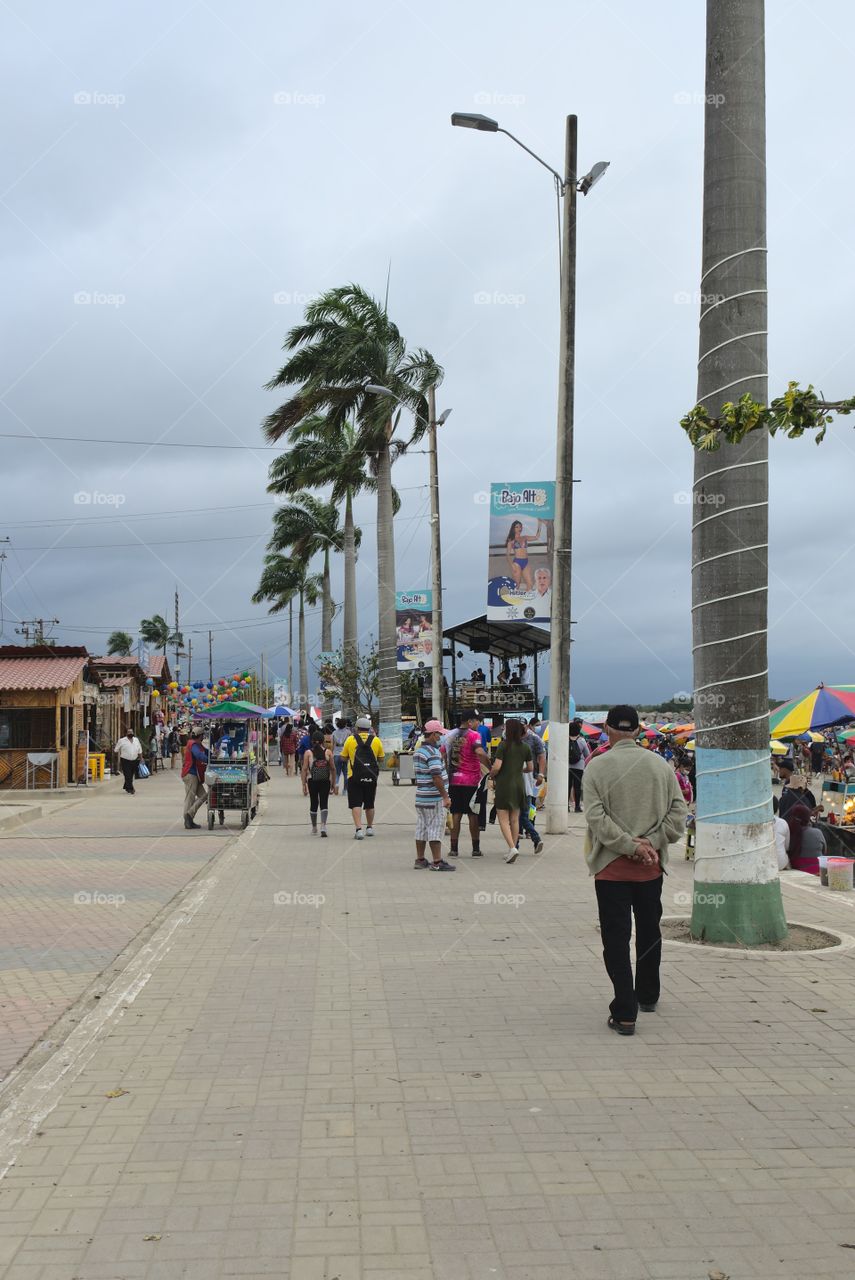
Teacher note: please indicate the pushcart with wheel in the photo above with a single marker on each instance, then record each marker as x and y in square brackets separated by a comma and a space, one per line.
[404, 771]
[235, 747]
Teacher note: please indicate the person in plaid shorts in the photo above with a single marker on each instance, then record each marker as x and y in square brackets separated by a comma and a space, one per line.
[432, 799]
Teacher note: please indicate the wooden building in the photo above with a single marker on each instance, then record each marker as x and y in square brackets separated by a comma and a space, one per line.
[44, 714]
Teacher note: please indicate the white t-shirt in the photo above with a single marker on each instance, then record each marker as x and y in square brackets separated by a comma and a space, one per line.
[782, 842]
[129, 748]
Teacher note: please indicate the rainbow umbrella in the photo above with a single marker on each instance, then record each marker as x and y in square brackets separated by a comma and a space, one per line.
[823, 706]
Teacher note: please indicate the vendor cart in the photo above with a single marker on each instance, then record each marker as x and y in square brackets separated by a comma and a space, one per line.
[404, 770]
[234, 757]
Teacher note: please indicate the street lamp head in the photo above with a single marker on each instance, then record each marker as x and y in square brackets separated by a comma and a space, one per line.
[443, 417]
[377, 390]
[471, 120]
[590, 179]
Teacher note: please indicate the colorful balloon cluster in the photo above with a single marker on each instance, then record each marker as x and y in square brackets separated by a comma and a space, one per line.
[205, 694]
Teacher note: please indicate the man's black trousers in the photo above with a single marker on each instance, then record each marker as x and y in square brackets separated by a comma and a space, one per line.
[619, 901]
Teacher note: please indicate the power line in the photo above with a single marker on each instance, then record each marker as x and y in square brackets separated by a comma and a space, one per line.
[153, 444]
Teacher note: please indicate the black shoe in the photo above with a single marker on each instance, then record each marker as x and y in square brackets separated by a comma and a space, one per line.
[476, 853]
[622, 1028]
[190, 824]
[578, 809]
[454, 853]
[648, 1008]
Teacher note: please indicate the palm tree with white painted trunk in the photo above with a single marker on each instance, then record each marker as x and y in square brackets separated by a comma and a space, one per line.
[737, 891]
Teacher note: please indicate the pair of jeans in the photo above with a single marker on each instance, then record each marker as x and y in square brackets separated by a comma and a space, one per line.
[618, 902]
[527, 827]
[575, 787]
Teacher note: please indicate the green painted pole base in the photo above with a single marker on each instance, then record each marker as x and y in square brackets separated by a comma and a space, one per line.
[741, 914]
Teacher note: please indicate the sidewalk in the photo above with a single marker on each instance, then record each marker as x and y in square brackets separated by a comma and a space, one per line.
[338, 1068]
[77, 886]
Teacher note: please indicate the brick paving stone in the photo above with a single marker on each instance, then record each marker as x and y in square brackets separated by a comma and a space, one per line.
[383, 1079]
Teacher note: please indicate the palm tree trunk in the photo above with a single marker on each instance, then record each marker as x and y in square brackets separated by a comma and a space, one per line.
[388, 681]
[326, 623]
[737, 891]
[304, 665]
[291, 652]
[351, 644]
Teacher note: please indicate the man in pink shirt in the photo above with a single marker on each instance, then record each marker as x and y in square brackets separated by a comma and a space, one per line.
[465, 758]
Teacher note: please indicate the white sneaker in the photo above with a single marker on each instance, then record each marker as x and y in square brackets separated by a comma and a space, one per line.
[369, 831]
[358, 834]
[511, 856]
[314, 831]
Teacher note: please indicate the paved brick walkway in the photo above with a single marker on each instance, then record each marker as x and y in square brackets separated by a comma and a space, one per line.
[77, 886]
[338, 1068]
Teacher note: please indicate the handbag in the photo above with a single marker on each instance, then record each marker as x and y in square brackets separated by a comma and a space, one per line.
[263, 775]
[143, 770]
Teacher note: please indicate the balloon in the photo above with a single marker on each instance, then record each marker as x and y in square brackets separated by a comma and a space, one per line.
[155, 693]
[149, 681]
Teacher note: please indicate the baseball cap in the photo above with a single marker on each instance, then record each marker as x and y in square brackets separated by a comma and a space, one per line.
[364, 722]
[623, 718]
[433, 726]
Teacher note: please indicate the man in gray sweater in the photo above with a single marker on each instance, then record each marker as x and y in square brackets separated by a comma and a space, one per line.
[633, 810]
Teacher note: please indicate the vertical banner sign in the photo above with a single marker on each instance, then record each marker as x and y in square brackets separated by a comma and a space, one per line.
[414, 622]
[519, 573]
[280, 694]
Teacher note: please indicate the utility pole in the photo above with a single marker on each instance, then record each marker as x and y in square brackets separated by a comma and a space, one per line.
[2, 566]
[559, 682]
[291, 652]
[210, 655]
[436, 564]
[177, 642]
[189, 661]
[38, 629]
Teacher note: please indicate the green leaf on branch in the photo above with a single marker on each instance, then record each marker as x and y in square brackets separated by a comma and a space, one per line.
[798, 410]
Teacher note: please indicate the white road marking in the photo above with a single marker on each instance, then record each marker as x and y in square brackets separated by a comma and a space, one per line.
[24, 1113]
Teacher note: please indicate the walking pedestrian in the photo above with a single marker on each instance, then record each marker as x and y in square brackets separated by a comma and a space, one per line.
[578, 754]
[513, 760]
[634, 810]
[363, 752]
[193, 773]
[341, 733]
[432, 799]
[465, 757]
[317, 774]
[129, 750]
[287, 747]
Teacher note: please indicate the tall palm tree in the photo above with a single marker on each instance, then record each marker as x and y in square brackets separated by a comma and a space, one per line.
[346, 342]
[156, 631]
[321, 455]
[120, 644]
[308, 527]
[283, 579]
[737, 889]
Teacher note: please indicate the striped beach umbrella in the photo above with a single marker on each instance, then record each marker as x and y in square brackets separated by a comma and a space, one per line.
[823, 706]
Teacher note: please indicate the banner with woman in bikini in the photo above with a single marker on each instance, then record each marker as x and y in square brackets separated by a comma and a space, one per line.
[519, 575]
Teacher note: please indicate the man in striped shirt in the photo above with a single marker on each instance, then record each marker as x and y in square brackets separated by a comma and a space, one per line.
[432, 799]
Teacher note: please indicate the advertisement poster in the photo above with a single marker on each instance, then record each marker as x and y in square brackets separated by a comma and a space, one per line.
[519, 574]
[413, 619]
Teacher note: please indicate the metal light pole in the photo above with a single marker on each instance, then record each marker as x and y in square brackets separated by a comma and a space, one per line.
[436, 564]
[435, 542]
[559, 683]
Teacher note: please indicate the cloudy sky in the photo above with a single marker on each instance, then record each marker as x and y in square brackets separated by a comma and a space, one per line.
[179, 178]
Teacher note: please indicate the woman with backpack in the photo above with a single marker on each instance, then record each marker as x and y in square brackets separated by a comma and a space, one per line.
[317, 774]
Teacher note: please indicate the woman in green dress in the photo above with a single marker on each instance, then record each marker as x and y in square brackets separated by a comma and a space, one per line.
[513, 759]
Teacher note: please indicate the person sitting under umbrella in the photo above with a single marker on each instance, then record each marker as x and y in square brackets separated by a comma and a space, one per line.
[807, 843]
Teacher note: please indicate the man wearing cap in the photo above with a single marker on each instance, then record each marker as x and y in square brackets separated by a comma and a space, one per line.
[465, 758]
[634, 809]
[363, 752]
[432, 799]
[193, 773]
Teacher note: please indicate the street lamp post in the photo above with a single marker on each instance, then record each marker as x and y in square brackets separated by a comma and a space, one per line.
[435, 545]
[559, 683]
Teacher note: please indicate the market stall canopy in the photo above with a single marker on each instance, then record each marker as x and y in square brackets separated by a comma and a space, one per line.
[498, 638]
[823, 706]
[236, 710]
